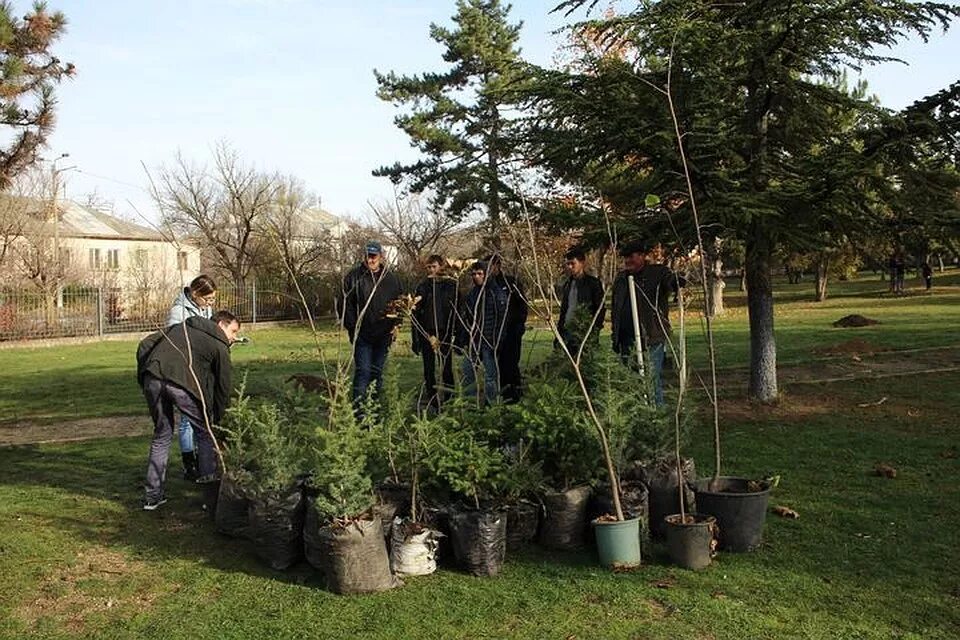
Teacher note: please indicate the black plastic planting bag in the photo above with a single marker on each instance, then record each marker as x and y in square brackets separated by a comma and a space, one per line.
[479, 540]
[312, 544]
[661, 480]
[522, 521]
[230, 517]
[355, 557]
[565, 519]
[276, 527]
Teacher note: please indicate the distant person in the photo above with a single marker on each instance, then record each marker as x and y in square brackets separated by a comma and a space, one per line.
[899, 272]
[579, 291]
[170, 381]
[479, 327]
[654, 283]
[433, 326]
[509, 293]
[195, 301]
[368, 291]
[926, 272]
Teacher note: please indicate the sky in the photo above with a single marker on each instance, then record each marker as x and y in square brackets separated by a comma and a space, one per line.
[289, 84]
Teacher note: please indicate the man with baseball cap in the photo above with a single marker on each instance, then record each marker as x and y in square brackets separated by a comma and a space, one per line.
[368, 290]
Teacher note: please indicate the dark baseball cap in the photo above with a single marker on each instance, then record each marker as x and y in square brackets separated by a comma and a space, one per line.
[374, 248]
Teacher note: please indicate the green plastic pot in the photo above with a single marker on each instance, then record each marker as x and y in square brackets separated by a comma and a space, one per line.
[618, 543]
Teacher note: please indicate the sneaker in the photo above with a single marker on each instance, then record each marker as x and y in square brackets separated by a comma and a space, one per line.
[152, 504]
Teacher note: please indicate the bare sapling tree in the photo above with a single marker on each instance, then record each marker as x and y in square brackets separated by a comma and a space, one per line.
[223, 204]
[300, 244]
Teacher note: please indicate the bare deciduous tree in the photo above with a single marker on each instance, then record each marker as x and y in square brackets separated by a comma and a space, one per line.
[414, 229]
[223, 204]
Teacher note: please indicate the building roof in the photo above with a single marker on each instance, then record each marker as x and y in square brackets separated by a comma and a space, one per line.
[78, 221]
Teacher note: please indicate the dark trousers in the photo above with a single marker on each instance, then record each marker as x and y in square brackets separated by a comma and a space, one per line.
[508, 362]
[162, 398]
[369, 357]
[436, 398]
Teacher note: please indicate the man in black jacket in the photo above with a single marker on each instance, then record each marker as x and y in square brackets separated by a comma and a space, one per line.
[510, 297]
[579, 291]
[187, 367]
[368, 291]
[653, 283]
[433, 326]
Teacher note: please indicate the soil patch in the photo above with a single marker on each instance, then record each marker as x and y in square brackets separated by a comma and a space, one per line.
[789, 408]
[20, 433]
[857, 346]
[100, 583]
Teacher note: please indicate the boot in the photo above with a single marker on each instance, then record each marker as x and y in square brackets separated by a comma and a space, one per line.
[191, 469]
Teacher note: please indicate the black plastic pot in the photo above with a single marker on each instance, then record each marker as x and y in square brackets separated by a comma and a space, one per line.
[230, 514]
[522, 521]
[565, 520]
[355, 558]
[740, 510]
[479, 540]
[664, 497]
[690, 542]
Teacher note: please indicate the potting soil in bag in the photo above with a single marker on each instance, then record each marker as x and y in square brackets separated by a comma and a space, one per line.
[276, 527]
[664, 496]
[312, 545]
[230, 517]
[355, 558]
[522, 521]
[565, 519]
[413, 548]
[479, 540]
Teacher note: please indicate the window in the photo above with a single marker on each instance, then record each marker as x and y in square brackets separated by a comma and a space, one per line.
[113, 259]
[66, 257]
[182, 262]
[95, 259]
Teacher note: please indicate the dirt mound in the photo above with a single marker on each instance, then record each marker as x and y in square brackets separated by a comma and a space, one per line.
[855, 320]
[857, 346]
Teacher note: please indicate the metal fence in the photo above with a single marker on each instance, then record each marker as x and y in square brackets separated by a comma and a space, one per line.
[28, 313]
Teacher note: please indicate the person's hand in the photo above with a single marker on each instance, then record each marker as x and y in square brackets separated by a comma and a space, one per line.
[434, 343]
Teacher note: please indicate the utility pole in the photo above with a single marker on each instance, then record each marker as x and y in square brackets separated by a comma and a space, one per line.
[57, 263]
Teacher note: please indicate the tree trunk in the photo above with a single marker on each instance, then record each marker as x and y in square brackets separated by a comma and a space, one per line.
[823, 267]
[743, 279]
[715, 280]
[763, 346]
[940, 262]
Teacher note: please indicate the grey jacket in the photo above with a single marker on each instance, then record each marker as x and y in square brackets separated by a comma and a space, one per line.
[184, 307]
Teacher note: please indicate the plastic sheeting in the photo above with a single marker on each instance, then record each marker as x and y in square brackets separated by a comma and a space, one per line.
[355, 558]
[276, 527]
[565, 519]
[230, 518]
[479, 540]
[413, 549]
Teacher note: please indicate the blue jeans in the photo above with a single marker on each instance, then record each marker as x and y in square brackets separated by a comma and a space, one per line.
[655, 358]
[162, 398]
[369, 357]
[186, 435]
[487, 357]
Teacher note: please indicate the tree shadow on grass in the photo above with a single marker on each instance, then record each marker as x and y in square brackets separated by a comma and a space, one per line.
[112, 471]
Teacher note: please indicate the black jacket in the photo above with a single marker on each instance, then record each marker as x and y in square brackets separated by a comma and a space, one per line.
[654, 283]
[163, 355]
[436, 312]
[510, 296]
[380, 288]
[589, 292]
[482, 316]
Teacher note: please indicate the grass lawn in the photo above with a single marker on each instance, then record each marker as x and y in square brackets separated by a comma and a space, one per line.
[870, 557]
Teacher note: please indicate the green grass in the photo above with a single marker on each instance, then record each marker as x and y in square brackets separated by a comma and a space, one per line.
[869, 557]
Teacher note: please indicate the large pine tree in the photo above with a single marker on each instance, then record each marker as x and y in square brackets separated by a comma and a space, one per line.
[459, 118]
[28, 74]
